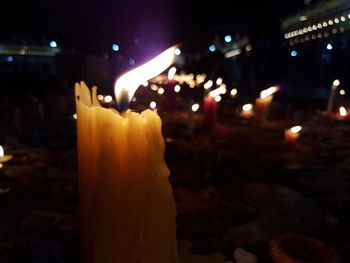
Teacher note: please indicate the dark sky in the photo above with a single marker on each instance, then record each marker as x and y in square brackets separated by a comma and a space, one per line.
[95, 25]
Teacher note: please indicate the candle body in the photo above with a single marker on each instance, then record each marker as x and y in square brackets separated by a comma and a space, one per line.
[209, 112]
[262, 107]
[331, 99]
[290, 137]
[127, 210]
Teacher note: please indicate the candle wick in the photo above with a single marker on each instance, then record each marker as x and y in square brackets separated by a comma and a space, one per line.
[123, 101]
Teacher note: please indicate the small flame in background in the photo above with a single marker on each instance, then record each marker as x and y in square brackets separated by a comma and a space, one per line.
[127, 84]
[342, 111]
[1, 151]
[247, 107]
[268, 92]
[296, 129]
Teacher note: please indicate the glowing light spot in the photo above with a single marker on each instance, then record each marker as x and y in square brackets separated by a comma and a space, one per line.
[75, 116]
[115, 47]
[1, 151]
[336, 83]
[228, 38]
[195, 107]
[171, 73]
[160, 91]
[342, 111]
[100, 97]
[268, 92]
[336, 20]
[212, 48]
[53, 44]
[329, 46]
[302, 18]
[177, 88]
[247, 107]
[177, 51]
[208, 84]
[342, 92]
[154, 87]
[330, 22]
[294, 53]
[296, 129]
[9, 59]
[131, 61]
[342, 18]
[218, 81]
[108, 98]
[218, 98]
[153, 105]
[233, 92]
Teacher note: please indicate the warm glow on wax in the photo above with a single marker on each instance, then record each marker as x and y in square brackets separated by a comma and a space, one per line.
[126, 85]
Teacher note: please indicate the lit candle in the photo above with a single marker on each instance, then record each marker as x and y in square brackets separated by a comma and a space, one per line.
[292, 134]
[331, 98]
[4, 157]
[247, 111]
[127, 210]
[262, 104]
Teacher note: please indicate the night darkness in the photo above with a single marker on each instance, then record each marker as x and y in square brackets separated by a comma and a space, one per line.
[94, 25]
[250, 113]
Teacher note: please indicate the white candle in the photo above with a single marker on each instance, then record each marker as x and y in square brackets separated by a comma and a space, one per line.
[262, 104]
[331, 98]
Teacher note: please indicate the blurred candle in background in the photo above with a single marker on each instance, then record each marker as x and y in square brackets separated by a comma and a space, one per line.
[247, 111]
[291, 135]
[331, 98]
[262, 104]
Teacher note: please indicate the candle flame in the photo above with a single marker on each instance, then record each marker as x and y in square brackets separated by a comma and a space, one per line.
[171, 73]
[1, 151]
[218, 81]
[247, 107]
[153, 104]
[195, 107]
[208, 84]
[233, 92]
[296, 129]
[177, 88]
[217, 92]
[127, 84]
[342, 111]
[336, 83]
[268, 92]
